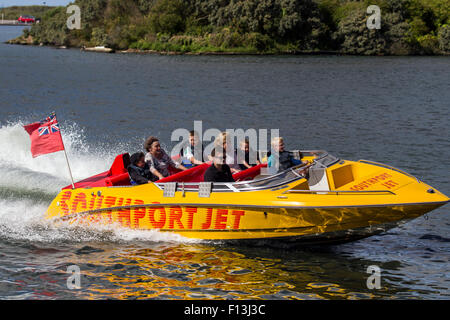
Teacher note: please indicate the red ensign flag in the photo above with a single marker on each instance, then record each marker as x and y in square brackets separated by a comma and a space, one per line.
[45, 136]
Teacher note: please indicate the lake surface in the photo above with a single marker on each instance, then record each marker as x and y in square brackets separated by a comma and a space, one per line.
[393, 110]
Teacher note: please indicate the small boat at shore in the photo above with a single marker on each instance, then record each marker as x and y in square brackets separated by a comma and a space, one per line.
[102, 49]
[338, 201]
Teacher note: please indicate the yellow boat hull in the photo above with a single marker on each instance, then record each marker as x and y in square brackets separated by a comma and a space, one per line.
[288, 212]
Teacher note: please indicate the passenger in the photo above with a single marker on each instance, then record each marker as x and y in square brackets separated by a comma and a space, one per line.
[231, 155]
[138, 170]
[285, 158]
[189, 151]
[158, 160]
[219, 171]
[245, 147]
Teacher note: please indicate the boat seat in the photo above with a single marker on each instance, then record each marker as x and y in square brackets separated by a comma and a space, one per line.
[120, 164]
[250, 173]
[117, 175]
[194, 174]
[122, 179]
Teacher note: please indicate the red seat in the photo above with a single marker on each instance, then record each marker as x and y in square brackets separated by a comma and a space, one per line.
[194, 174]
[250, 173]
[122, 179]
[117, 175]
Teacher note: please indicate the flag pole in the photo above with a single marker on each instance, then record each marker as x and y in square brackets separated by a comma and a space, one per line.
[65, 153]
[68, 166]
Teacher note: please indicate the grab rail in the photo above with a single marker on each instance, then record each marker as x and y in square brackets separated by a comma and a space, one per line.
[270, 181]
[339, 191]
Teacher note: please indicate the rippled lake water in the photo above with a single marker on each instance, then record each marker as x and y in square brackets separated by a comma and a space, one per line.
[393, 110]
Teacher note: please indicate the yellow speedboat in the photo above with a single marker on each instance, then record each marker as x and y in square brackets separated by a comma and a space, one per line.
[340, 201]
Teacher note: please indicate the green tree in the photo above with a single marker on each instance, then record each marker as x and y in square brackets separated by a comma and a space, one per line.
[444, 38]
[356, 38]
[168, 16]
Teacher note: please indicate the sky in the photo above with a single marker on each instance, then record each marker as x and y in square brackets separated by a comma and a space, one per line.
[9, 3]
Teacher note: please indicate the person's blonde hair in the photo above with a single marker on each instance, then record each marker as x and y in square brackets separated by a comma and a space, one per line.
[220, 139]
[276, 141]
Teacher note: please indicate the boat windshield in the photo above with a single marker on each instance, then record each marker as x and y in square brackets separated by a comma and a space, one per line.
[266, 182]
[320, 158]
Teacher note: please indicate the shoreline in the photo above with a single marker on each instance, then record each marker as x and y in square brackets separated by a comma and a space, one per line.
[100, 49]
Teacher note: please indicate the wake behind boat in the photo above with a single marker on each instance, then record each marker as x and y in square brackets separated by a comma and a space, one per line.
[339, 201]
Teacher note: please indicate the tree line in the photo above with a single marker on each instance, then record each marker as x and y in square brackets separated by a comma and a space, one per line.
[253, 26]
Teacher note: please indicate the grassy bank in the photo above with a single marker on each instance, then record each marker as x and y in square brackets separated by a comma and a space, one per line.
[252, 26]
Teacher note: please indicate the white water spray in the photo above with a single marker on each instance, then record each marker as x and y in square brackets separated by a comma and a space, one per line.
[28, 184]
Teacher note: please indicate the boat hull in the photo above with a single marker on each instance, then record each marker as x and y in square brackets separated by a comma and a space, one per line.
[216, 222]
[359, 199]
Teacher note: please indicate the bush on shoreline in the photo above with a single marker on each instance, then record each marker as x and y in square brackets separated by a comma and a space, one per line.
[253, 26]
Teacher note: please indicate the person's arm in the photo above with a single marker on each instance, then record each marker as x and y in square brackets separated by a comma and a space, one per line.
[246, 165]
[190, 156]
[233, 170]
[195, 161]
[153, 169]
[178, 166]
[270, 161]
[172, 163]
[156, 173]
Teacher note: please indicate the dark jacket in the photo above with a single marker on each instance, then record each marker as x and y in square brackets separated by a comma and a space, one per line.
[214, 175]
[140, 175]
[286, 160]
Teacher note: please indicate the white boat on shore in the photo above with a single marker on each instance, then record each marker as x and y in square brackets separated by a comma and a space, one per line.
[99, 49]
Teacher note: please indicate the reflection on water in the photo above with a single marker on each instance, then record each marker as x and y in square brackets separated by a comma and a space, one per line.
[201, 271]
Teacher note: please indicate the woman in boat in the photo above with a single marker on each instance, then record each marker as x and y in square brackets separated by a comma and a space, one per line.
[138, 170]
[219, 171]
[158, 160]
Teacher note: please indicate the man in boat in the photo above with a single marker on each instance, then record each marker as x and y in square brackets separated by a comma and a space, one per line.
[189, 152]
[138, 170]
[222, 141]
[158, 160]
[285, 158]
[219, 171]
